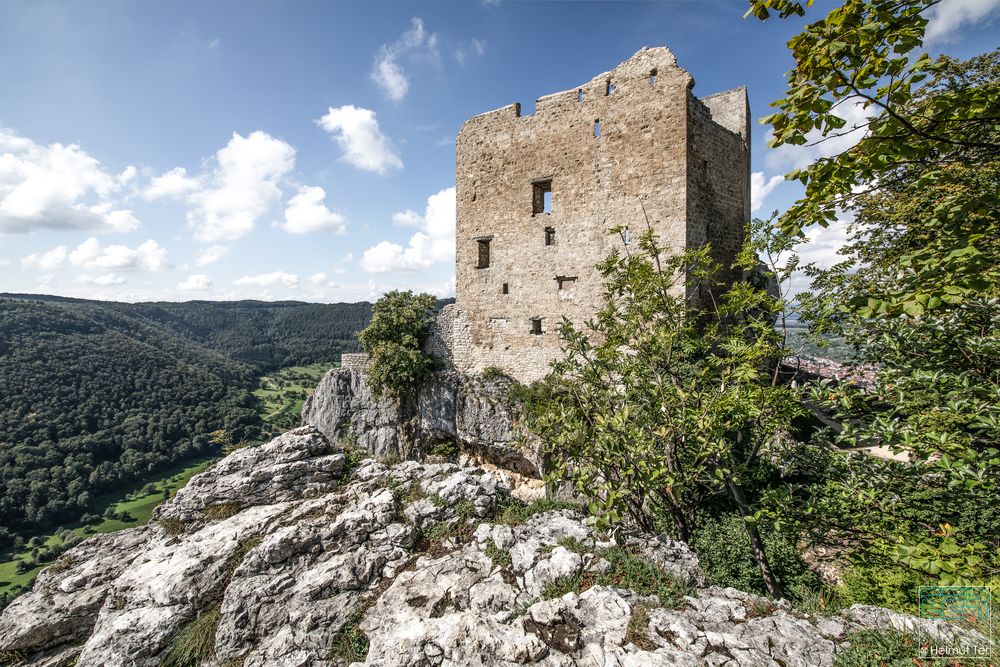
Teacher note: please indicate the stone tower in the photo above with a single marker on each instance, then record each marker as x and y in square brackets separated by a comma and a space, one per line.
[537, 195]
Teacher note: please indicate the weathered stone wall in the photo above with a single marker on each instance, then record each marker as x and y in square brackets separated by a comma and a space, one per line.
[356, 360]
[719, 173]
[637, 171]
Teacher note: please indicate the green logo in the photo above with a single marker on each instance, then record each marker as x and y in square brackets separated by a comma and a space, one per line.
[969, 608]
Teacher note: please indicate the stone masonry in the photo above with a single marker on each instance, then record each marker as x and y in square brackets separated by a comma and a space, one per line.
[537, 195]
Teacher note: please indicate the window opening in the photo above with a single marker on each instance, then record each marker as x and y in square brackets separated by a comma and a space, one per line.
[536, 326]
[579, 97]
[652, 78]
[565, 282]
[541, 196]
[597, 127]
[505, 289]
[610, 90]
[550, 236]
[484, 253]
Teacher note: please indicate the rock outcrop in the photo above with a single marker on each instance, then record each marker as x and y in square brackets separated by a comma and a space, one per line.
[287, 555]
[472, 413]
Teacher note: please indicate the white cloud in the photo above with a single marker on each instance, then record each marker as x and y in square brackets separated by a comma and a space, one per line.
[104, 280]
[215, 43]
[5, 262]
[388, 73]
[198, 281]
[316, 278]
[435, 242]
[45, 261]
[226, 203]
[945, 20]
[211, 255]
[759, 188]
[173, 184]
[787, 157]
[277, 278]
[58, 186]
[92, 255]
[306, 213]
[356, 131]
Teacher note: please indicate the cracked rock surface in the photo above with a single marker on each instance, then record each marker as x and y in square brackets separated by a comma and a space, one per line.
[282, 556]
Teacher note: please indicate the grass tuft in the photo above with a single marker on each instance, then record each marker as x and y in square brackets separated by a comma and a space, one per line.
[221, 511]
[499, 557]
[637, 631]
[172, 526]
[514, 512]
[193, 643]
[350, 644]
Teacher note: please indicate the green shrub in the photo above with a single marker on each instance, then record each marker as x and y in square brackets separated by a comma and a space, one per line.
[892, 587]
[726, 557]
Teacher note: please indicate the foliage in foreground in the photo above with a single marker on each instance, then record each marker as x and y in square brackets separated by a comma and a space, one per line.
[400, 324]
[665, 403]
[917, 292]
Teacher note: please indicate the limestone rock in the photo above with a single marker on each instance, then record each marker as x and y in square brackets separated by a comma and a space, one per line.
[312, 564]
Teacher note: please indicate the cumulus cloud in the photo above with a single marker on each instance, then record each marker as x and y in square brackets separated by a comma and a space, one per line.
[45, 261]
[58, 186]
[435, 242]
[196, 282]
[306, 213]
[277, 278]
[226, 203]
[173, 184]
[388, 74]
[316, 278]
[356, 131]
[788, 157]
[211, 255]
[759, 188]
[92, 255]
[946, 19]
[104, 280]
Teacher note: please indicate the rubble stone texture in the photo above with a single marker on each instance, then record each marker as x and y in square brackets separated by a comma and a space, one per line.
[413, 559]
[660, 155]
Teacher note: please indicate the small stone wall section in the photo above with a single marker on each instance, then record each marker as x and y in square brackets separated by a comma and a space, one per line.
[355, 360]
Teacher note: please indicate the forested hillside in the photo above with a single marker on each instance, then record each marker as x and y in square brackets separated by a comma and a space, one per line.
[94, 395]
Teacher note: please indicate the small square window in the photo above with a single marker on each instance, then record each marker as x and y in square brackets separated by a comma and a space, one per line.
[536, 326]
[550, 236]
[505, 289]
[565, 282]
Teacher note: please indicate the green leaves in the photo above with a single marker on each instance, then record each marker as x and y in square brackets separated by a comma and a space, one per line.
[400, 324]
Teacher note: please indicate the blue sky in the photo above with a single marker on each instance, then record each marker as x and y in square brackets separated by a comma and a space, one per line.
[305, 150]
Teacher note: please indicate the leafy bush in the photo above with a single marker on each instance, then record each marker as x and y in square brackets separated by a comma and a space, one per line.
[727, 560]
[400, 324]
[891, 587]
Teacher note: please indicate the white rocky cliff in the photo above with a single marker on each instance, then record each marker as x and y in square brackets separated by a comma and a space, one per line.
[295, 554]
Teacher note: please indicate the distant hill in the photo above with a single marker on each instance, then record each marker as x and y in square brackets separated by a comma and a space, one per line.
[97, 394]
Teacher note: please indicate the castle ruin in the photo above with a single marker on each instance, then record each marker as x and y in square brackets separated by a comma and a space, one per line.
[537, 195]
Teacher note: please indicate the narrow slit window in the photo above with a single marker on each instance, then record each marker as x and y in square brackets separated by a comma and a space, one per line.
[536, 326]
[550, 236]
[652, 78]
[579, 97]
[610, 89]
[505, 289]
[625, 236]
[541, 196]
[484, 253]
[597, 128]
